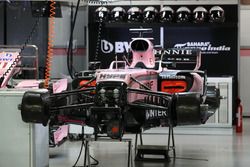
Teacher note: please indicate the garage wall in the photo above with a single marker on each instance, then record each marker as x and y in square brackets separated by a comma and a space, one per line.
[244, 82]
[245, 26]
[244, 87]
[20, 22]
[62, 35]
[19, 25]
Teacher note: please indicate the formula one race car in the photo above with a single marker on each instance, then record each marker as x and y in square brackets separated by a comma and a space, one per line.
[131, 96]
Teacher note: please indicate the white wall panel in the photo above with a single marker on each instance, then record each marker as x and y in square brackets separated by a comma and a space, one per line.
[244, 84]
[245, 26]
[59, 65]
[61, 40]
[81, 22]
[62, 28]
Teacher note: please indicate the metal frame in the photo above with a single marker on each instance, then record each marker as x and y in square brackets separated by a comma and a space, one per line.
[88, 139]
[229, 82]
[170, 146]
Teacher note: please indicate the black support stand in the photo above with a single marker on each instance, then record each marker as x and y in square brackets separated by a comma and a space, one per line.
[142, 150]
[88, 139]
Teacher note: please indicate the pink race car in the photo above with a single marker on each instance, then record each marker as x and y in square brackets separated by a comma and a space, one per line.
[131, 96]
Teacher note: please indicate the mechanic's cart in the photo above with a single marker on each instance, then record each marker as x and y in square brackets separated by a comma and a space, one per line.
[21, 144]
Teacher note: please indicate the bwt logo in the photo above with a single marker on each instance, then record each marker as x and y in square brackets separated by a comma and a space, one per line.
[118, 47]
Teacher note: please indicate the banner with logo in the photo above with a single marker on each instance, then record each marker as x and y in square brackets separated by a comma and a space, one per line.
[218, 45]
[216, 49]
[115, 42]
[217, 41]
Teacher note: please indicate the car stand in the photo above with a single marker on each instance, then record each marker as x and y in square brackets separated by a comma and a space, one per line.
[159, 150]
[89, 139]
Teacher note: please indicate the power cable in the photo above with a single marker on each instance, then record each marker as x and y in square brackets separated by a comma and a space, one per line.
[70, 47]
[80, 153]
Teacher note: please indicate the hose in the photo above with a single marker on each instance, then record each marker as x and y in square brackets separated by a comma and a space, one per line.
[51, 36]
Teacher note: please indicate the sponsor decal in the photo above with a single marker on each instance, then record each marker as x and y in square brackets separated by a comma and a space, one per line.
[112, 76]
[177, 77]
[174, 52]
[6, 56]
[106, 46]
[148, 84]
[154, 114]
[118, 47]
[205, 47]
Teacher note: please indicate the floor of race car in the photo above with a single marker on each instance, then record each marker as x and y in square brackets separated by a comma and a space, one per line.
[191, 151]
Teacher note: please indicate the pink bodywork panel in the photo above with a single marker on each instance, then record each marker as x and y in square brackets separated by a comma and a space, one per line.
[197, 84]
[61, 133]
[146, 76]
[60, 85]
[28, 84]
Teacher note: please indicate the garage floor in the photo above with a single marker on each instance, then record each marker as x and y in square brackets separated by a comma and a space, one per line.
[191, 151]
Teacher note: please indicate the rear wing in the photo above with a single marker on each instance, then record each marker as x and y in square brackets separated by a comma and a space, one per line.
[181, 58]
